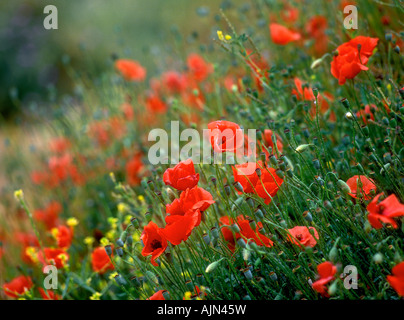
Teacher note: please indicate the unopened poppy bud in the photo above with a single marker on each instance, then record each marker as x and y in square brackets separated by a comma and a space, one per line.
[393, 123]
[333, 255]
[238, 186]
[273, 276]
[189, 285]
[332, 290]
[246, 254]
[119, 251]
[129, 240]
[349, 116]
[273, 160]
[345, 103]
[166, 295]
[151, 185]
[316, 164]
[307, 216]
[253, 225]
[148, 216]
[235, 228]
[120, 280]
[250, 202]
[378, 258]
[135, 223]
[248, 274]
[343, 186]
[302, 147]
[123, 236]
[280, 174]
[135, 281]
[259, 214]
[388, 37]
[171, 194]
[258, 172]
[315, 92]
[241, 242]
[214, 232]
[206, 238]
[119, 243]
[227, 189]
[397, 49]
[108, 249]
[213, 266]
[328, 205]
[316, 63]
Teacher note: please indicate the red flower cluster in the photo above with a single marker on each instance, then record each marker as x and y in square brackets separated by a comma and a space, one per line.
[326, 271]
[184, 214]
[266, 186]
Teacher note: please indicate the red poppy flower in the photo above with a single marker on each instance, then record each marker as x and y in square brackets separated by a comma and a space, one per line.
[100, 261]
[199, 69]
[134, 168]
[367, 183]
[59, 145]
[397, 279]
[130, 69]
[182, 176]
[302, 236]
[316, 26]
[17, 286]
[50, 215]
[290, 14]
[190, 200]
[155, 104]
[174, 82]
[303, 94]
[157, 296]
[225, 136]
[326, 271]
[260, 68]
[154, 242]
[268, 188]
[267, 137]
[384, 211]
[57, 257]
[282, 35]
[179, 227]
[249, 234]
[350, 61]
[246, 175]
[367, 113]
[48, 295]
[64, 236]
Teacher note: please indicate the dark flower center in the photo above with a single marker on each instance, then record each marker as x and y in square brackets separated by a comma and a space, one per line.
[155, 244]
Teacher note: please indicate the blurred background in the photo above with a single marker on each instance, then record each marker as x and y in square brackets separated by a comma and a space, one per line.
[90, 32]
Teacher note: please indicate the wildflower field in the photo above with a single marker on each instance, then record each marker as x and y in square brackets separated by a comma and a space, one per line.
[259, 160]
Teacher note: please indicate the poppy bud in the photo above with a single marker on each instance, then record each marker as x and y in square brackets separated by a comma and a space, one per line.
[307, 216]
[189, 285]
[328, 205]
[349, 116]
[273, 276]
[253, 225]
[123, 237]
[135, 281]
[119, 251]
[316, 63]
[108, 249]
[259, 214]
[247, 297]
[238, 186]
[388, 37]
[302, 147]
[129, 240]
[316, 164]
[346, 103]
[248, 274]
[378, 258]
[235, 228]
[213, 266]
[241, 243]
[206, 238]
[166, 295]
[250, 202]
[397, 49]
[120, 280]
[214, 232]
[148, 216]
[333, 255]
[227, 189]
[343, 186]
[150, 184]
[171, 194]
[119, 243]
[280, 174]
[135, 223]
[258, 172]
[332, 290]
[273, 160]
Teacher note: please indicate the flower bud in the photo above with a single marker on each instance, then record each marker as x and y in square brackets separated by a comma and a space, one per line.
[108, 249]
